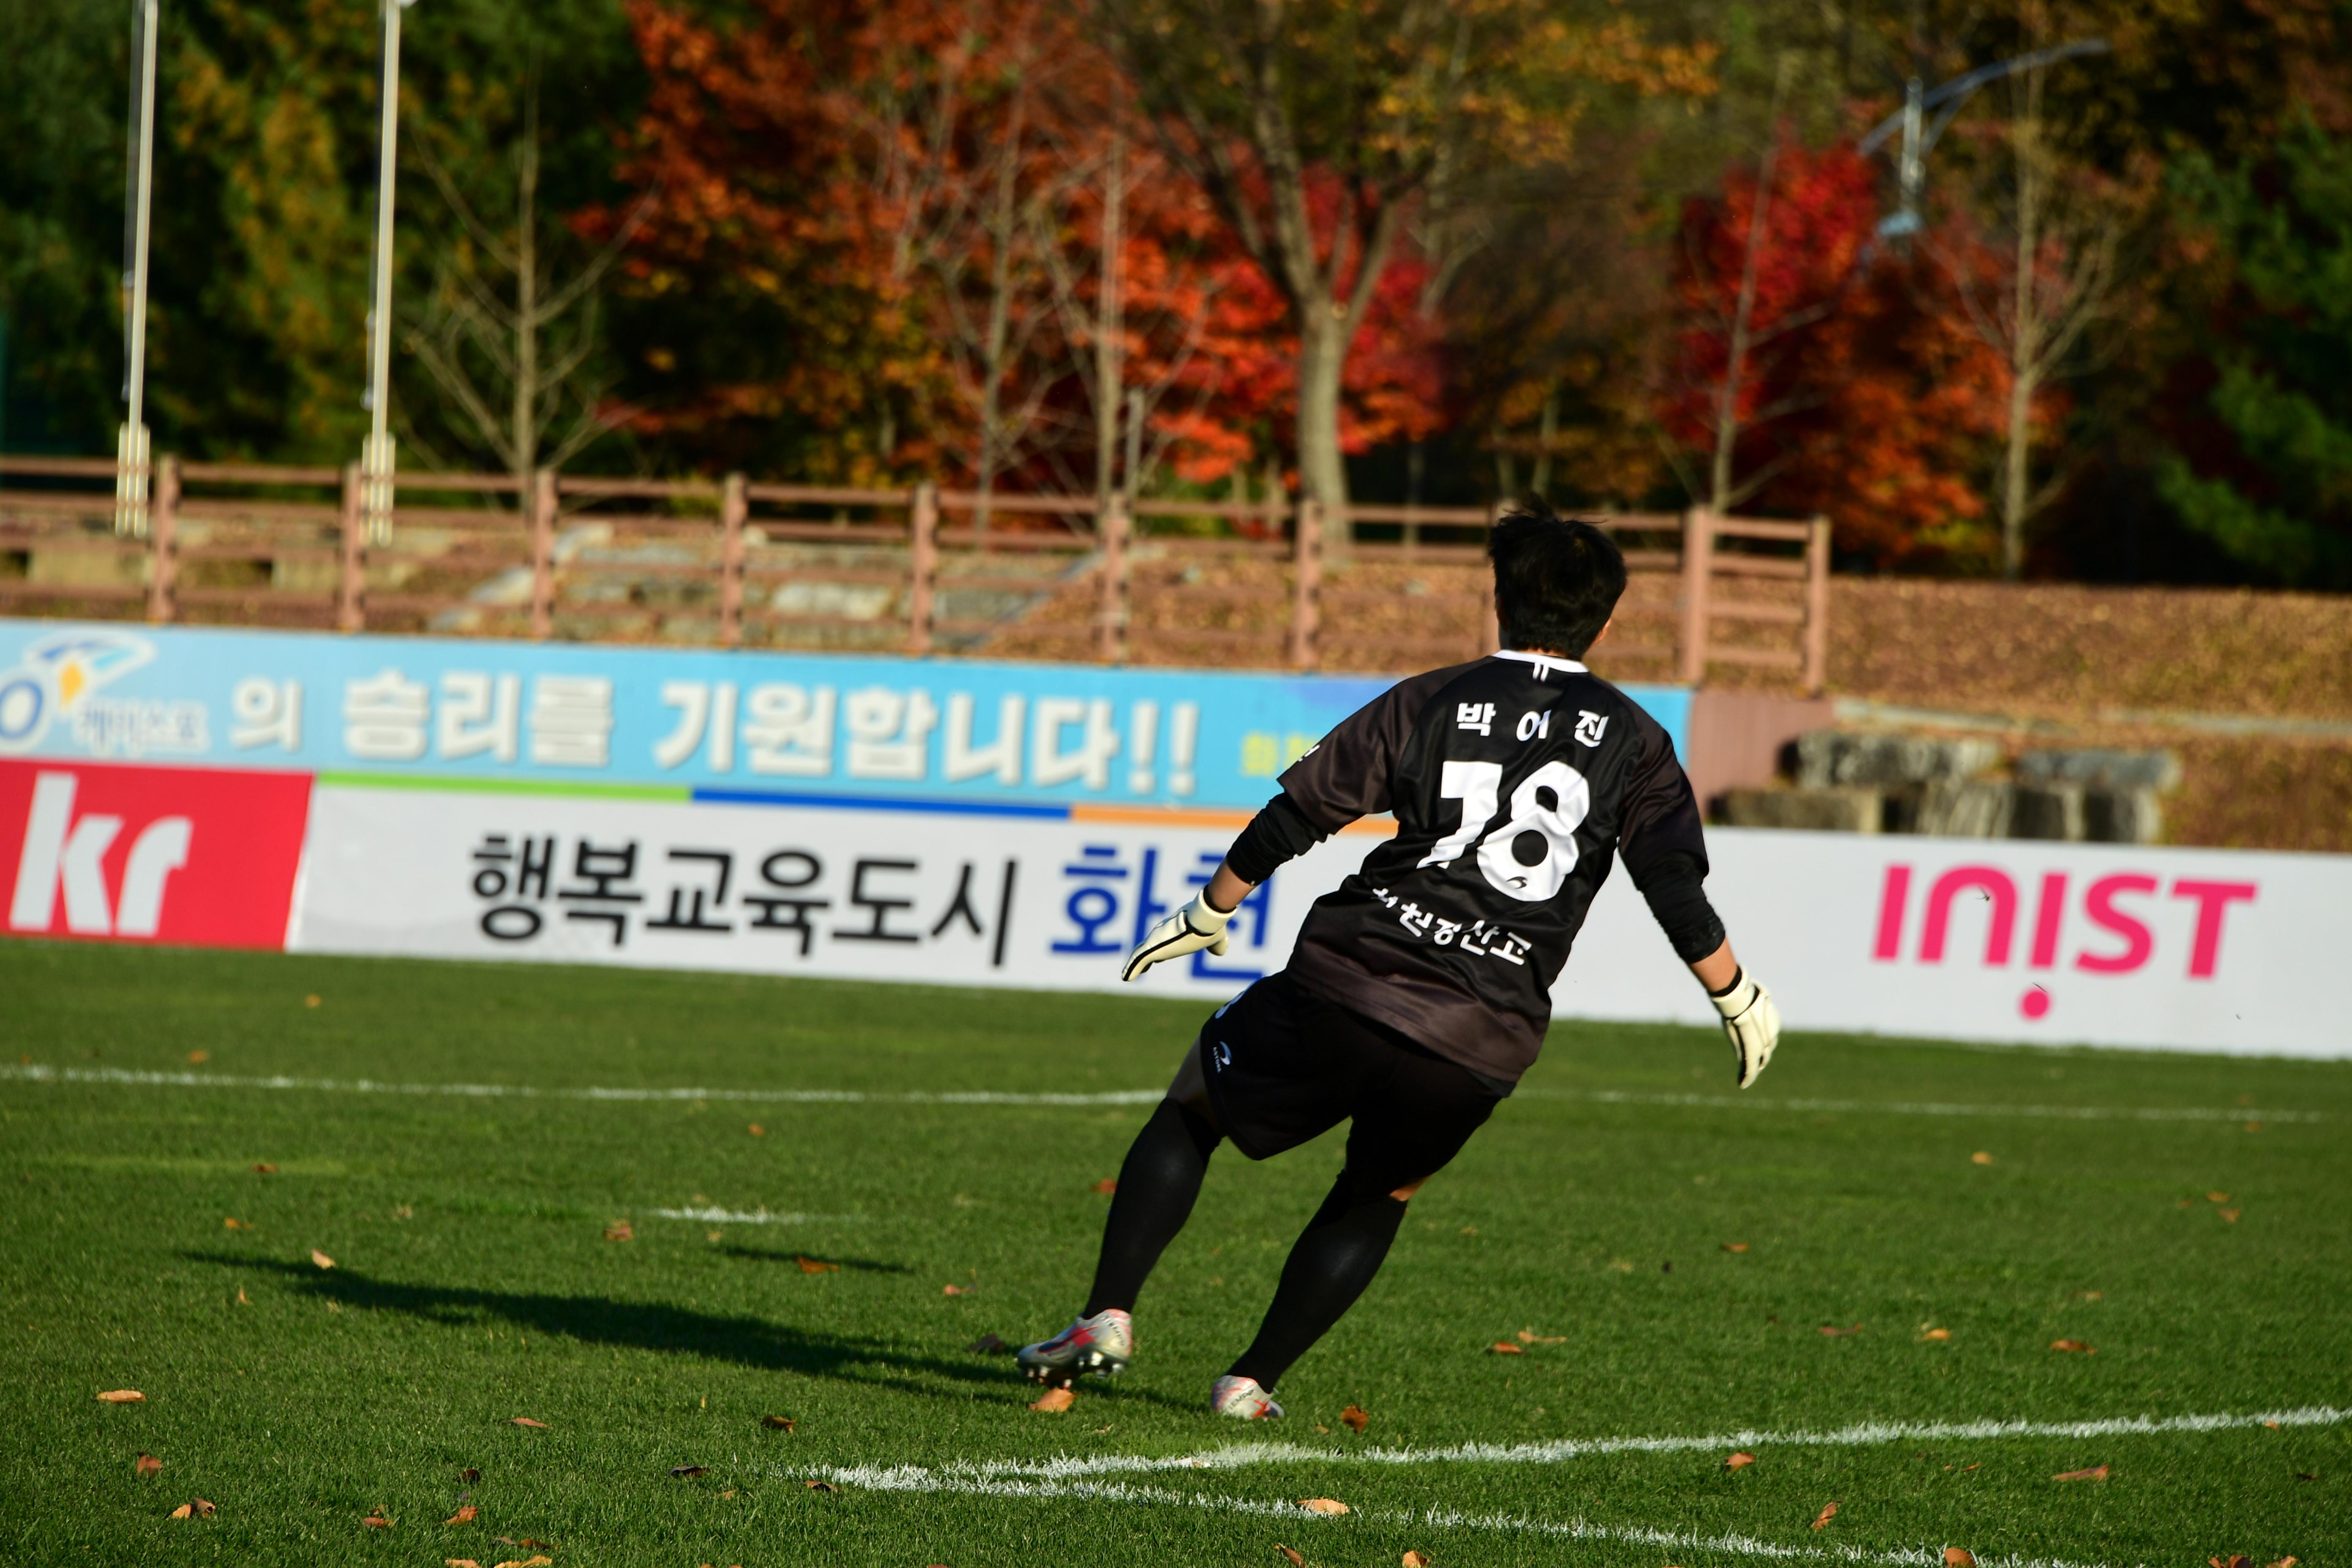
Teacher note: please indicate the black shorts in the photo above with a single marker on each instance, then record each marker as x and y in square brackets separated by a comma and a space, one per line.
[1285, 1065]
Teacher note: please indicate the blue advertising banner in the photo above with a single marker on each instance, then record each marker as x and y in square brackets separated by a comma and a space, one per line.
[671, 722]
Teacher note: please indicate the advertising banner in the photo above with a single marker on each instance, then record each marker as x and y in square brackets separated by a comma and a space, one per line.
[207, 857]
[1947, 939]
[493, 819]
[682, 724]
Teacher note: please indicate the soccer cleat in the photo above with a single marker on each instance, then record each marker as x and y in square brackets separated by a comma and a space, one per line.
[1102, 1344]
[1244, 1400]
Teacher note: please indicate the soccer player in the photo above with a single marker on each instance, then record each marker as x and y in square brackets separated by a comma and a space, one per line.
[1419, 991]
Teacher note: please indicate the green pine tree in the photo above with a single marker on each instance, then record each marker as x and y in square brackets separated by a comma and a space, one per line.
[2280, 503]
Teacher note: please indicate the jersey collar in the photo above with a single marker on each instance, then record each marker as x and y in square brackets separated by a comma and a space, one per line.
[1544, 664]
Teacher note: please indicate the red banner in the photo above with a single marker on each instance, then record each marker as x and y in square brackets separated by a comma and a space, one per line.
[199, 855]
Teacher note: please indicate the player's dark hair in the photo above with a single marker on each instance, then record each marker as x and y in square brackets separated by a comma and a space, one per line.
[1556, 579]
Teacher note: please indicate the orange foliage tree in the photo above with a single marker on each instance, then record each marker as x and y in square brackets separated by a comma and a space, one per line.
[929, 239]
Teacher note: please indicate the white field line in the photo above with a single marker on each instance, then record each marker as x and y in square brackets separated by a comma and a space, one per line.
[757, 1216]
[1073, 1478]
[36, 1073]
[1867, 1433]
[1933, 1108]
[39, 1074]
[1444, 1519]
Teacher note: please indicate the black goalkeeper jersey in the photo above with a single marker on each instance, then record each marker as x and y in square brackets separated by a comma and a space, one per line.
[1513, 780]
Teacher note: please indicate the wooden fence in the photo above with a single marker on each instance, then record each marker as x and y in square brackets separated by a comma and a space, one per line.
[921, 571]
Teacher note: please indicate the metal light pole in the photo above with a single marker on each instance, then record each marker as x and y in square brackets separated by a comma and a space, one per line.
[376, 456]
[131, 453]
[1919, 138]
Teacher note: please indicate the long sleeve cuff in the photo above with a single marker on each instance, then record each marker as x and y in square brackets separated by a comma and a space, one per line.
[1676, 892]
[1280, 833]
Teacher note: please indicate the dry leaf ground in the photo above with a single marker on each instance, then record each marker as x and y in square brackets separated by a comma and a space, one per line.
[498, 1295]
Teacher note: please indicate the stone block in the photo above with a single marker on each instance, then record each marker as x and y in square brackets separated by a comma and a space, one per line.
[1953, 808]
[2052, 812]
[1828, 757]
[1835, 810]
[2100, 767]
[2122, 817]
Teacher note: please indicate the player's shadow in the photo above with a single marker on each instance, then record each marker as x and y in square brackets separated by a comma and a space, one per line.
[642, 1325]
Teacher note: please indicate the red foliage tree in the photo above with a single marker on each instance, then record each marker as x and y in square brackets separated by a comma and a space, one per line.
[1818, 370]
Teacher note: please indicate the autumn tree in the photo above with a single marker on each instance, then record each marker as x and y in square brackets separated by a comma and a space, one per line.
[1382, 106]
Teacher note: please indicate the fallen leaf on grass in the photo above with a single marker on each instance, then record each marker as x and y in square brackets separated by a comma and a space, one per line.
[1980, 1158]
[2229, 1214]
[2284, 1562]
[690, 1471]
[469, 1475]
[465, 1515]
[1355, 1418]
[460, 1562]
[198, 1059]
[988, 1344]
[1738, 1462]
[1833, 1331]
[1828, 1513]
[731, 1491]
[1297, 1559]
[148, 1464]
[122, 1396]
[1505, 1347]
[1936, 1334]
[376, 1520]
[322, 1259]
[234, 1225]
[1959, 1557]
[2235, 1560]
[2304, 1476]
[1056, 1399]
[2217, 1197]
[196, 1508]
[1416, 1559]
[820, 1486]
[1319, 1427]
[620, 1230]
[2089, 1295]
[817, 1266]
[534, 1561]
[1323, 1505]
[2095, 1473]
[1108, 1185]
[265, 1169]
[527, 1542]
[2073, 1346]
[780, 1423]
[953, 1290]
[1529, 1337]
[756, 1130]
[527, 1421]
[1735, 1247]
[242, 1298]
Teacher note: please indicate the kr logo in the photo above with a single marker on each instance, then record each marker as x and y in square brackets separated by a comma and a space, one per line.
[62, 854]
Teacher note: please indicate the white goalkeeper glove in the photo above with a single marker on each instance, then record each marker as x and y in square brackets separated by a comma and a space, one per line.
[1197, 925]
[1752, 1023]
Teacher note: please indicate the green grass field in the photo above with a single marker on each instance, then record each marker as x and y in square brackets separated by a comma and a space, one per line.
[474, 1282]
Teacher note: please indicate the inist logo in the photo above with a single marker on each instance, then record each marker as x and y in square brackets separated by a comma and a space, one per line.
[63, 854]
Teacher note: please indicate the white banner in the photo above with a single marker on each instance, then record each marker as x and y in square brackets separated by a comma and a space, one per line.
[1948, 939]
